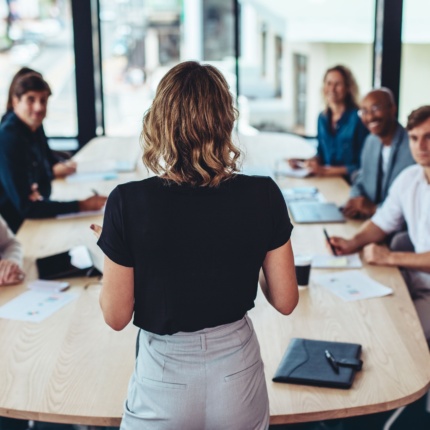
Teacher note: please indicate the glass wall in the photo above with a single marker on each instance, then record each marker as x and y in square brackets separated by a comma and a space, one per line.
[38, 34]
[141, 40]
[415, 64]
[286, 46]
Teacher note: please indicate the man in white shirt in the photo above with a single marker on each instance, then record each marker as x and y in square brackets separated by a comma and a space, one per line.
[408, 200]
[385, 154]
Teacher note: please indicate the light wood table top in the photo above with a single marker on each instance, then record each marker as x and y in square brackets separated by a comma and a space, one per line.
[72, 368]
[396, 368]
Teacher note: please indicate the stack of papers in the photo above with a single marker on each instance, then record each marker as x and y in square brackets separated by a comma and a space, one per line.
[352, 285]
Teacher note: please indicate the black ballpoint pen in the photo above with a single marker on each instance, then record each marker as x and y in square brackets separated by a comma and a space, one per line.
[331, 360]
[333, 249]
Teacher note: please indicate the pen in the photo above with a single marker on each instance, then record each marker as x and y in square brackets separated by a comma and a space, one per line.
[332, 361]
[333, 249]
[95, 192]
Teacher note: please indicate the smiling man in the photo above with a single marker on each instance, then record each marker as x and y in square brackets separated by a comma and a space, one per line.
[408, 200]
[26, 170]
[385, 154]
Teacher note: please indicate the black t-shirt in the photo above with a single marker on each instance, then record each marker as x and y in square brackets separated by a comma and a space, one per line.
[196, 251]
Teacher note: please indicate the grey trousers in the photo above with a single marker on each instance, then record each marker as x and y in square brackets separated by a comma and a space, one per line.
[418, 283]
[212, 379]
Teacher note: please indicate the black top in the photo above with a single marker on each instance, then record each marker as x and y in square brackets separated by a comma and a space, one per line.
[196, 251]
[25, 159]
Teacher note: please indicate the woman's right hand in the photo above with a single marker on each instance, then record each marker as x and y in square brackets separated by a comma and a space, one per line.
[314, 166]
[97, 230]
[10, 273]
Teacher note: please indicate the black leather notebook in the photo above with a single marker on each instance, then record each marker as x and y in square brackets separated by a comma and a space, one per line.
[75, 262]
[307, 362]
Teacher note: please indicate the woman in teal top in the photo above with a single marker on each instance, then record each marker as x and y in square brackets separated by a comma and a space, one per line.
[341, 133]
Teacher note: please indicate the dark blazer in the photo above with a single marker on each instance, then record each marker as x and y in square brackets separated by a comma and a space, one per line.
[366, 182]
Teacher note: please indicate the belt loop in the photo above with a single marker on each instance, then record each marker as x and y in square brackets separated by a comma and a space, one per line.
[203, 342]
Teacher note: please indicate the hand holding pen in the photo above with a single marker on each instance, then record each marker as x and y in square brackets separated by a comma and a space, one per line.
[333, 249]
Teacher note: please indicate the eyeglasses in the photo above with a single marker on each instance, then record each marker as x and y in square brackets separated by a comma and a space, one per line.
[372, 109]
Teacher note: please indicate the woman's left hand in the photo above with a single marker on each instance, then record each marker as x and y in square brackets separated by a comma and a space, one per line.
[97, 230]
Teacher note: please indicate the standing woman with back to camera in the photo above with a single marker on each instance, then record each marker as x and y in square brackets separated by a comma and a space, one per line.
[184, 251]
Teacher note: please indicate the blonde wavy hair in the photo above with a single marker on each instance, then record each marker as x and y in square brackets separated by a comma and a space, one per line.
[186, 134]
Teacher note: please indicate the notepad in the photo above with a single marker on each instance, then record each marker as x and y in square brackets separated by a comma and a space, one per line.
[337, 262]
[304, 362]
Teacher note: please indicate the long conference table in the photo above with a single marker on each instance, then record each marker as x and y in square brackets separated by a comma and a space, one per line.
[72, 368]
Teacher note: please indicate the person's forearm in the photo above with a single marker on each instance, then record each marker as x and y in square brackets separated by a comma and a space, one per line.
[368, 233]
[410, 260]
[13, 252]
[334, 171]
[50, 208]
[10, 248]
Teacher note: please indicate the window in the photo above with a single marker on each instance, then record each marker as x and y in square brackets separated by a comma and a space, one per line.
[300, 80]
[38, 34]
[326, 33]
[415, 62]
[141, 41]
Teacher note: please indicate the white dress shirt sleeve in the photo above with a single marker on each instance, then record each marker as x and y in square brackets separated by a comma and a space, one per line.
[390, 216]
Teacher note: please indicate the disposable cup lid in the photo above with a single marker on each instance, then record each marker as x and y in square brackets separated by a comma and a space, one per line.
[302, 260]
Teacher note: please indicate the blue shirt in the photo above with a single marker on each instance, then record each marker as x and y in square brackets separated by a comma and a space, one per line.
[341, 147]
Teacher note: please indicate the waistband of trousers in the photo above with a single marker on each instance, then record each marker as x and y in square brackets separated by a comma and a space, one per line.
[210, 333]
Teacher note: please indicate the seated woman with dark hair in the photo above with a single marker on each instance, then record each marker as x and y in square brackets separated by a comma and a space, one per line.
[25, 168]
[59, 161]
[184, 251]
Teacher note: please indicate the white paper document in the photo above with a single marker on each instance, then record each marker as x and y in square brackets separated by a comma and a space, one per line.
[81, 214]
[337, 262]
[103, 166]
[35, 306]
[257, 171]
[48, 286]
[352, 285]
[284, 169]
[302, 194]
[91, 177]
